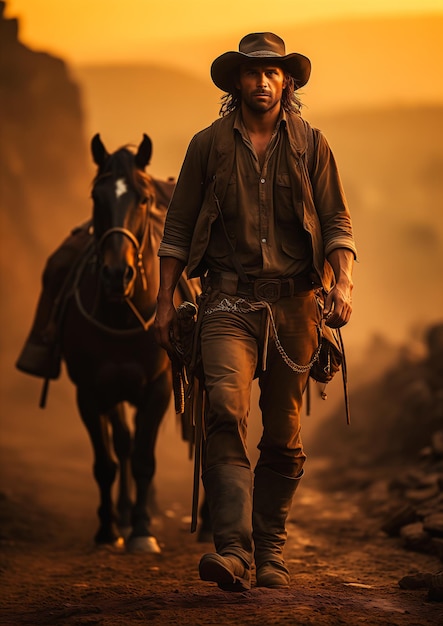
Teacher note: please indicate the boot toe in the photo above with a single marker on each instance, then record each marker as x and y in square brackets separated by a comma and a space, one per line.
[273, 576]
[229, 572]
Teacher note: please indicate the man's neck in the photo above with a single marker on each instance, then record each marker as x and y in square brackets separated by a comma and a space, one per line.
[258, 123]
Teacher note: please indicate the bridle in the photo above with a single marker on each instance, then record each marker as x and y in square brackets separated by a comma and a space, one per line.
[139, 247]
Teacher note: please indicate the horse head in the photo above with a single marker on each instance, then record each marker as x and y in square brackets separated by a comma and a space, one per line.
[122, 195]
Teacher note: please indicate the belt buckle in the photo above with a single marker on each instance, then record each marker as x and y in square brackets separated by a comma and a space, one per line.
[267, 289]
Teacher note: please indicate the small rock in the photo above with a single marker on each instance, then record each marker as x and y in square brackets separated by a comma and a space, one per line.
[434, 524]
[437, 443]
[414, 536]
[435, 592]
[415, 581]
[430, 507]
[436, 547]
[401, 516]
[420, 495]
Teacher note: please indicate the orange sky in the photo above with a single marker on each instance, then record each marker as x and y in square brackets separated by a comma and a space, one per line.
[88, 31]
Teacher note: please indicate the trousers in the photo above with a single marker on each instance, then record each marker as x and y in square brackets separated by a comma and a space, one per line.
[232, 345]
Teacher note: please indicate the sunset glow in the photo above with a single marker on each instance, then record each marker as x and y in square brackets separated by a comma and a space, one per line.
[141, 30]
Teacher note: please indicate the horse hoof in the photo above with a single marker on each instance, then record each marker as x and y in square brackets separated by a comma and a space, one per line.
[119, 543]
[148, 545]
[125, 532]
[115, 544]
[109, 538]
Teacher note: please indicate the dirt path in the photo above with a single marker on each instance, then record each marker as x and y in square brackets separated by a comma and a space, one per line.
[344, 570]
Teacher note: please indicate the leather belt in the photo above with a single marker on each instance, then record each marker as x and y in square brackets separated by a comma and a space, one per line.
[268, 289]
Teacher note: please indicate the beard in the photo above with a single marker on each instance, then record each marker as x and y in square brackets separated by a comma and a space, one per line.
[263, 104]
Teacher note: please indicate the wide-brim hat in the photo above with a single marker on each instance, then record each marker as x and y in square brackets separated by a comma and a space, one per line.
[262, 47]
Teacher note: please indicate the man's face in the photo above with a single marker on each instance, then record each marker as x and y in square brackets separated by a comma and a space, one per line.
[261, 86]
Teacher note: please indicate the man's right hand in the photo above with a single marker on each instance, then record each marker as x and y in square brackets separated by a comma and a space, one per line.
[166, 325]
[166, 322]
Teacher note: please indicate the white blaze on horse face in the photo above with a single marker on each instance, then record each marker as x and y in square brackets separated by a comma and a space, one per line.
[120, 187]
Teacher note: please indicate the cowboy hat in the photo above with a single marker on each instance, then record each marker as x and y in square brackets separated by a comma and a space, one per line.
[263, 47]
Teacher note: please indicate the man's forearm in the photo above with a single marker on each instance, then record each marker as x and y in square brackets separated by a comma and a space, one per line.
[170, 271]
[165, 323]
[342, 263]
[338, 304]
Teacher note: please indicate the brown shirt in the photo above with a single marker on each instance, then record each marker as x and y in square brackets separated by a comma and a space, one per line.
[318, 200]
[258, 212]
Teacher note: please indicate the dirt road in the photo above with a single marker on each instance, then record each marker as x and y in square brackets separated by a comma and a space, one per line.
[344, 569]
[343, 572]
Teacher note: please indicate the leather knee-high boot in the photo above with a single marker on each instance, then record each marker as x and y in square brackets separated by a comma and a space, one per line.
[229, 494]
[273, 494]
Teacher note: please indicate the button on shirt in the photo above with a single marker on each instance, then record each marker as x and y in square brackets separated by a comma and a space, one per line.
[259, 215]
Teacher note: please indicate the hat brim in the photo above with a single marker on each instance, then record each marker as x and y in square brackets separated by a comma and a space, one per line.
[224, 66]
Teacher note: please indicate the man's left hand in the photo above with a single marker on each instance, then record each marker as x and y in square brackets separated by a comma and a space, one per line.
[338, 306]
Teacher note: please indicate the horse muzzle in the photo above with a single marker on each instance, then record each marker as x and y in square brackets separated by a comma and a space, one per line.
[118, 282]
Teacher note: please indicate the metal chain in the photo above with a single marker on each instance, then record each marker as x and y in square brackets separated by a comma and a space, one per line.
[245, 306]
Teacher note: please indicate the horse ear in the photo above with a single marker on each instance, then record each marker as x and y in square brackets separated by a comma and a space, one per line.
[99, 152]
[144, 153]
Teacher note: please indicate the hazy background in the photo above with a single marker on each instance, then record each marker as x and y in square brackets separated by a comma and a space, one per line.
[375, 90]
[139, 66]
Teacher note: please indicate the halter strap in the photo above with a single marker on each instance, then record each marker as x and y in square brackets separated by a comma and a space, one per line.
[123, 231]
[137, 245]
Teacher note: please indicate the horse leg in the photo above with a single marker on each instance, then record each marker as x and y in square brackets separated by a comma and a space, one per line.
[147, 421]
[122, 440]
[104, 468]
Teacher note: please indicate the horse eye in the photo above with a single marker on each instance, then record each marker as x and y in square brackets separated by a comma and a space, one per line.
[144, 200]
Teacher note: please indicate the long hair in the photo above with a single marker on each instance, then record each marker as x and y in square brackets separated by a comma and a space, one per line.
[290, 102]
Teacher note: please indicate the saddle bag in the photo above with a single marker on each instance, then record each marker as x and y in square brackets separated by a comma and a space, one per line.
[331, 355]
[331, 358]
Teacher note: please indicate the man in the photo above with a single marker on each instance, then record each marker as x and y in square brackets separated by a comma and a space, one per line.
[259, 213]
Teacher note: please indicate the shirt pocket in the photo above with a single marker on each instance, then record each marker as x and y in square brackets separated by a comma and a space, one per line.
[283, 198]
[283, 180]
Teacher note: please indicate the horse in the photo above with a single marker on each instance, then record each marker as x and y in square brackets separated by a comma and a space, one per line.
[108, 344]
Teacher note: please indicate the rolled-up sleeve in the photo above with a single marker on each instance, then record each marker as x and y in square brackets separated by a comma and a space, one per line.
[185, 203]
[330, 201]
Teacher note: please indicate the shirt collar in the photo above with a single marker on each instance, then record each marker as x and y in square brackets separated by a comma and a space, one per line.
[240, 127]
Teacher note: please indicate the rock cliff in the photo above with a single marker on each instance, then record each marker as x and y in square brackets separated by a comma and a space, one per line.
[44, 167]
